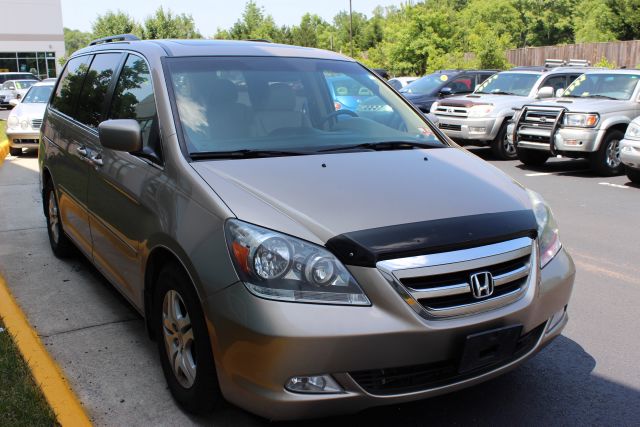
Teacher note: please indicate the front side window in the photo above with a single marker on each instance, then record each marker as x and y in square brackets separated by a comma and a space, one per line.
[133, 99]
[462, 84]
[38, 95]
[94, 90]
[608, 86]
[70, 84]
[509, 84]
[294, 104]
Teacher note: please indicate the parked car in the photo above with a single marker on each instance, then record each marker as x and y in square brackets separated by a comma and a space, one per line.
[399, 82]
[630, 151]
[25, 120]
[587, 121]
[281, 257]
[441, 84]
[14, 89]
[16, 76]
[482, 118]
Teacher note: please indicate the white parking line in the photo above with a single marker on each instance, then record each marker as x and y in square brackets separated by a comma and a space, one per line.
[608, 184]
[539, 174]
[554, 173]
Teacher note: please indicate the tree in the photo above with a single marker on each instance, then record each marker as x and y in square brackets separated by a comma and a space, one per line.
[254, 24]
[594, 22]
[112, 23]
[166, 25]
[75, 39]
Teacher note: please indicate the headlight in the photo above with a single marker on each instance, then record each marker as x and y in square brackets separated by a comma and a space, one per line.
[434, 107]
[24, 123]
[280, 267]
[548, 239]
[633, 131]
[580, 120]
[480, 110]
[13, 122]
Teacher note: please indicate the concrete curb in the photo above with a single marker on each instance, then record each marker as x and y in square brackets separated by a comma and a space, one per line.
[46, 373]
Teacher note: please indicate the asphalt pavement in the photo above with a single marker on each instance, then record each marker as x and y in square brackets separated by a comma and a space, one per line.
[588, 376]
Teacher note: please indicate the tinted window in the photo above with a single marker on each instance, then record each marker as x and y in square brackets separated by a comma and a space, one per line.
[94, 90]
[133, 99]
[462, 84]
[556, 82]
[70, 84]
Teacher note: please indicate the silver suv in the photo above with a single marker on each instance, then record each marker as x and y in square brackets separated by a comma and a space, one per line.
[483, 116]
[587, 121]
[279, 249]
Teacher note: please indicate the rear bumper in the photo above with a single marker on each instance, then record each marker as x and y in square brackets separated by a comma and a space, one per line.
[630, 153]
[260, 344]
[472, 129]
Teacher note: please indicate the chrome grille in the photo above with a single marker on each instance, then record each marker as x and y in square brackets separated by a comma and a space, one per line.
[438, 285]
[443, 110]
[540, 118]
[448, 126]
[36, 123]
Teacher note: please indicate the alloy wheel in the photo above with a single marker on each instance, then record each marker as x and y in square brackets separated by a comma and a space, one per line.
[54, 219]
[613, 154]
[509, 147]
[179, 339]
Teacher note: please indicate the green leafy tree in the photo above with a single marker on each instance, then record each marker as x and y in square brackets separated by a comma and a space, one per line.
[594, 22]
[115, 23]
[75, 39]
[166, 25]
[253, 24]
[626, 18]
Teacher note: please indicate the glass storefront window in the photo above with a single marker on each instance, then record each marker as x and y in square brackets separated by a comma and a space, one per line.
[41, 64]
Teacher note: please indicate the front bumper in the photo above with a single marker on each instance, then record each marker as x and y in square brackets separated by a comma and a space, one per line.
[23, 138]
[259, 344]
[464, 128]
[580, 140]
[630, 152]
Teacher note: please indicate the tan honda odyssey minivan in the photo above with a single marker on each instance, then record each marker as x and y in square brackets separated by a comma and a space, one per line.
[293, 256]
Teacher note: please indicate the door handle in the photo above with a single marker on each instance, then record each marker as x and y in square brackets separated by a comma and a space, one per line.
[96, 159]
[82, 150]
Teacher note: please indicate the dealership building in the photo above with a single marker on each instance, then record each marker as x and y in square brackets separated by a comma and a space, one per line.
[31, 36]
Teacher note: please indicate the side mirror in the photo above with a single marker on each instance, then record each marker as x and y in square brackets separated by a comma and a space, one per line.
[14, 102]
[545, 92]
[446, 91]
[121, 135]
[559, 92]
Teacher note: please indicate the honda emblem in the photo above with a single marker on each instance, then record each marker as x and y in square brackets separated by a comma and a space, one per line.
[482, 284]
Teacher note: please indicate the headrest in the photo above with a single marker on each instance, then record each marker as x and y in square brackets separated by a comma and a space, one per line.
[222, 91]
[281, 97]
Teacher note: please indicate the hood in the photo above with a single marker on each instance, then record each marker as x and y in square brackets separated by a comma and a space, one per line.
[419, 98]
[590, 105]
[317, 197]
[30, 110]
[499, 101]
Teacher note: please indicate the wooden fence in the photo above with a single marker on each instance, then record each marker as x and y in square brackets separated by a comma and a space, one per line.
[622, 54]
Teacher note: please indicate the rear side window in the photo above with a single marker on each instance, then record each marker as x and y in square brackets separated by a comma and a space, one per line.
[70, 84]
[133, 99]
[94, 91]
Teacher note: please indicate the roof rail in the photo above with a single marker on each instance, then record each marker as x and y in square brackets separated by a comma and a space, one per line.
[578, 63]
[258, 40]
[550, 63]
[116, 38]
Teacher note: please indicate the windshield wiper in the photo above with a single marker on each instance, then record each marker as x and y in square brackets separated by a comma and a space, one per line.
[602, 96]
[500, 92]
[383, 146]
[243, 154]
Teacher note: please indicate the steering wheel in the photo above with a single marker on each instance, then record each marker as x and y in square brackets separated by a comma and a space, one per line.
[336, 114]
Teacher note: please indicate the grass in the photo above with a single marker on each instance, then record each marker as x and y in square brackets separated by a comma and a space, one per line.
[21, 401]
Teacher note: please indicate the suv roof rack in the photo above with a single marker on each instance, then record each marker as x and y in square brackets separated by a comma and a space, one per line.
[116, 38]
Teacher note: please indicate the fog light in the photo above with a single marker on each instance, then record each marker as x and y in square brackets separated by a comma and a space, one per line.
[477, 130]
[313, 384]
[556, 319]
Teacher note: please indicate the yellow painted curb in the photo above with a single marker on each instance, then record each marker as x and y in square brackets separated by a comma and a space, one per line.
[4, 150]
[45, 370]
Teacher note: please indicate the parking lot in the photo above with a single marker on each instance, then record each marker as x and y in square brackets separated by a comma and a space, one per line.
[589, 376]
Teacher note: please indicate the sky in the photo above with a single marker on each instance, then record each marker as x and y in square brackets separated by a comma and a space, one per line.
[209, 15]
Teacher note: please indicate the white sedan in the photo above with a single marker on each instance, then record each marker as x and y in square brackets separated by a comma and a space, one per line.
[14, 89]
[399, 82]
[24, 121]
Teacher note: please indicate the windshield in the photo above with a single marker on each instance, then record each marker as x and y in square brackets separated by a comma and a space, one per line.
[426, 85]
[286, 104]
[614, 86]
[38, 95]
[25, 84]
[509, 84]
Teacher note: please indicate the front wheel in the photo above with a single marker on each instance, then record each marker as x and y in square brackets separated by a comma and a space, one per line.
[633, 175]
[183, 342]
[15, 152]
[501, 147]
[606, 161]
[532, 157]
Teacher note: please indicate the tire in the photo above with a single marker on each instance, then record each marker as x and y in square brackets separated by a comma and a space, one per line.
[606, 161]
[193, 382]
[501, 147]
[633, 174]
[15, 151]
[532, 157]
[60, 243]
